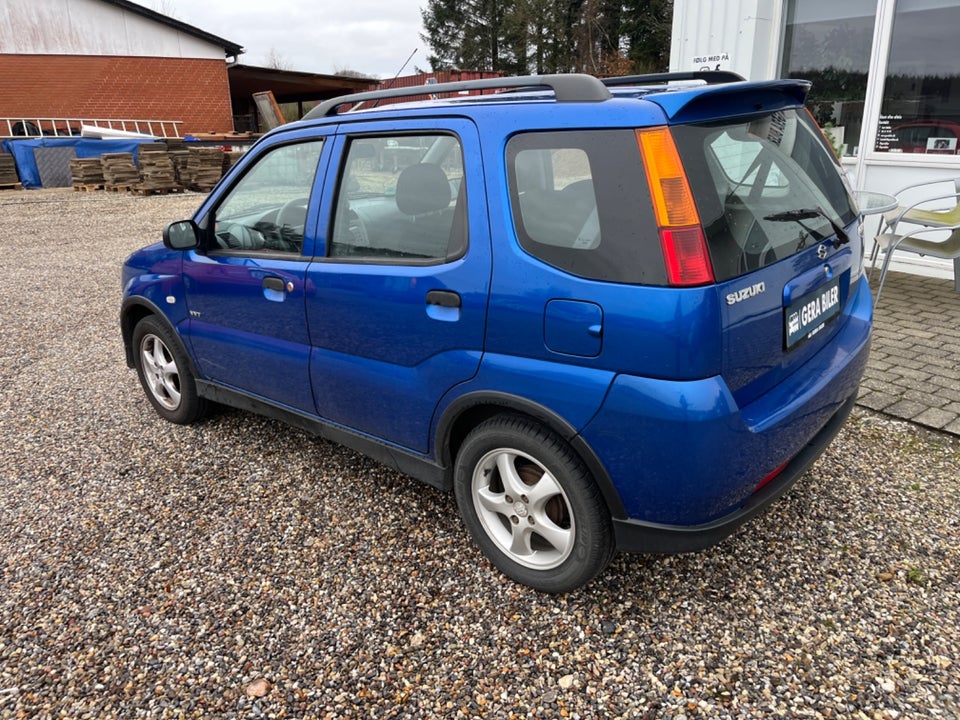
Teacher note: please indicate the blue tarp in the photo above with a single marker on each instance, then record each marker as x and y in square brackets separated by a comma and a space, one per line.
[22, 151]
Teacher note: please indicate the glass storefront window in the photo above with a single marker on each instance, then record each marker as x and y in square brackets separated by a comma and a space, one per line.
[828, 42]
[921, 95]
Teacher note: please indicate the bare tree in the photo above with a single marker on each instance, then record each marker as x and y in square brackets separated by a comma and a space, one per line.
[276, 61]
[165, 7]
[347, 72]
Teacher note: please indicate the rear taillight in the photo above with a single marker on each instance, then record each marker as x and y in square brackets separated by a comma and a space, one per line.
[681, 234]
[685, 254]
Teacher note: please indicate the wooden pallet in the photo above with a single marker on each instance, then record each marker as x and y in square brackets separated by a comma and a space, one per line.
[156, 191]
[87, 187]
[118, 188]
[11, 186]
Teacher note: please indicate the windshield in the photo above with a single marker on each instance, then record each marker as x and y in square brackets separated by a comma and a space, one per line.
[765, 188]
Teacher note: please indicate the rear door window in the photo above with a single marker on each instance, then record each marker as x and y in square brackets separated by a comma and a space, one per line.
[766, 188]
[401, 199]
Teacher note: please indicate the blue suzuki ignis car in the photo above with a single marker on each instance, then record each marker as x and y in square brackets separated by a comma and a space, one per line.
[621, 314]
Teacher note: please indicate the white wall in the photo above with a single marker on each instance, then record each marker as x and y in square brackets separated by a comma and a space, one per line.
[738, 35]
[91, 27]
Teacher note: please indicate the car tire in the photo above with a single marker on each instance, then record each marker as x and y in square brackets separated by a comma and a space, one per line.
[531, 505]
[165, 374]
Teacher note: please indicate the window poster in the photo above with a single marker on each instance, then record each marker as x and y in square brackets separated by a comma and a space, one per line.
[887, 139]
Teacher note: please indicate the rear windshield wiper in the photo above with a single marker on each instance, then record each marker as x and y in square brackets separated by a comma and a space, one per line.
[810, 214]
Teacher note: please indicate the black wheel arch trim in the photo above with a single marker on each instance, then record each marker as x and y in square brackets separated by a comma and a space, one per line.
[129, 320]
[505, 402]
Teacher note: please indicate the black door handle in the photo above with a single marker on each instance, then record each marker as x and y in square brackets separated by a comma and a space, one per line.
[443, 298]
[273, 283]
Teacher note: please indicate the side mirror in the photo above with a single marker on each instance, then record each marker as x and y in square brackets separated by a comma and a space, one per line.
[181, 235]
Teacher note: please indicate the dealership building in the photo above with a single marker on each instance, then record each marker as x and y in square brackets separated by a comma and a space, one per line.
[885, 73]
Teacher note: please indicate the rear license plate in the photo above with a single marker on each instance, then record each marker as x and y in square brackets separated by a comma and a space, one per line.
[808, 315]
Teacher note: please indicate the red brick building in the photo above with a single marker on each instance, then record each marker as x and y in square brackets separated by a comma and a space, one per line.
[65, 61]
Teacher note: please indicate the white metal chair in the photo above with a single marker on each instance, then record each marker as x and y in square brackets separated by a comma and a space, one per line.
[909, 212]
[919, 241]
[930, 221]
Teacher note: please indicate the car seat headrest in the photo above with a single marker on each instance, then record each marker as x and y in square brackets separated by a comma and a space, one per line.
[422, 188]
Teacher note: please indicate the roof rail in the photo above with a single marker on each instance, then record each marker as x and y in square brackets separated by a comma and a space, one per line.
[571, 88]
[711, 77]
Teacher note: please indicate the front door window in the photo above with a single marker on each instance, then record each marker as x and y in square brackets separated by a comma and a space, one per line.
[266, 211]
[245, 289]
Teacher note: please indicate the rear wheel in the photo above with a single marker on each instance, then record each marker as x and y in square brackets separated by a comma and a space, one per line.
[531, 505]
[165, 373]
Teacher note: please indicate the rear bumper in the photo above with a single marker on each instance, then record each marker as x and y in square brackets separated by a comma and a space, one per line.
[649, 537]
[686, 460]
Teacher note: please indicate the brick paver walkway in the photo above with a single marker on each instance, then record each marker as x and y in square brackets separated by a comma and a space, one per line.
[914, 368]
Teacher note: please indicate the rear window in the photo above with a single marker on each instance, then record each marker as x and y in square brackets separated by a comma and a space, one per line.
[746, 179]
[581, 203]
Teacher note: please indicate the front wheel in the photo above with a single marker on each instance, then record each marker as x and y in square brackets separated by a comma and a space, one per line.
[164, 372]
[531, 505]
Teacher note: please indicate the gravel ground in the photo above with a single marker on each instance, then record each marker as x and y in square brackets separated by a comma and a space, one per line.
[242, 569]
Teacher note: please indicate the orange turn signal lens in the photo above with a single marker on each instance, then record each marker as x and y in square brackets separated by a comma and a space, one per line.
[672, 198]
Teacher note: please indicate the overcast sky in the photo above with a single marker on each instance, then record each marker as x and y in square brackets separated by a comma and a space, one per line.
[373, 37]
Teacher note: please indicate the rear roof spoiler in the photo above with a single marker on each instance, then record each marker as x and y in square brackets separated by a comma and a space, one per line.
[730, 100]
[710, 77]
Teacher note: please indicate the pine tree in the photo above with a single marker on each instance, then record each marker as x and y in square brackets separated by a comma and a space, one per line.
[550, 34]
[443, 24]
[603, 37]
[648, 26]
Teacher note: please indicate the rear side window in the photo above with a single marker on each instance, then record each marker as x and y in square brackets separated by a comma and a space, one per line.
[581, 203]
[749, 178]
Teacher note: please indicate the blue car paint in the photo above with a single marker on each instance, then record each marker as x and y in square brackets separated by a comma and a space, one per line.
[566, 391]
[646, 330]
[650, 381]
[238, 325]
[685, 453]
[153, 275]
[382, 357]
[753, 355]
[718, 102]
[236, 331]
[573, 327]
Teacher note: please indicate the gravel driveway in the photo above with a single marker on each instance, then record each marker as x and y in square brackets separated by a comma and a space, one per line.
[240, 568]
